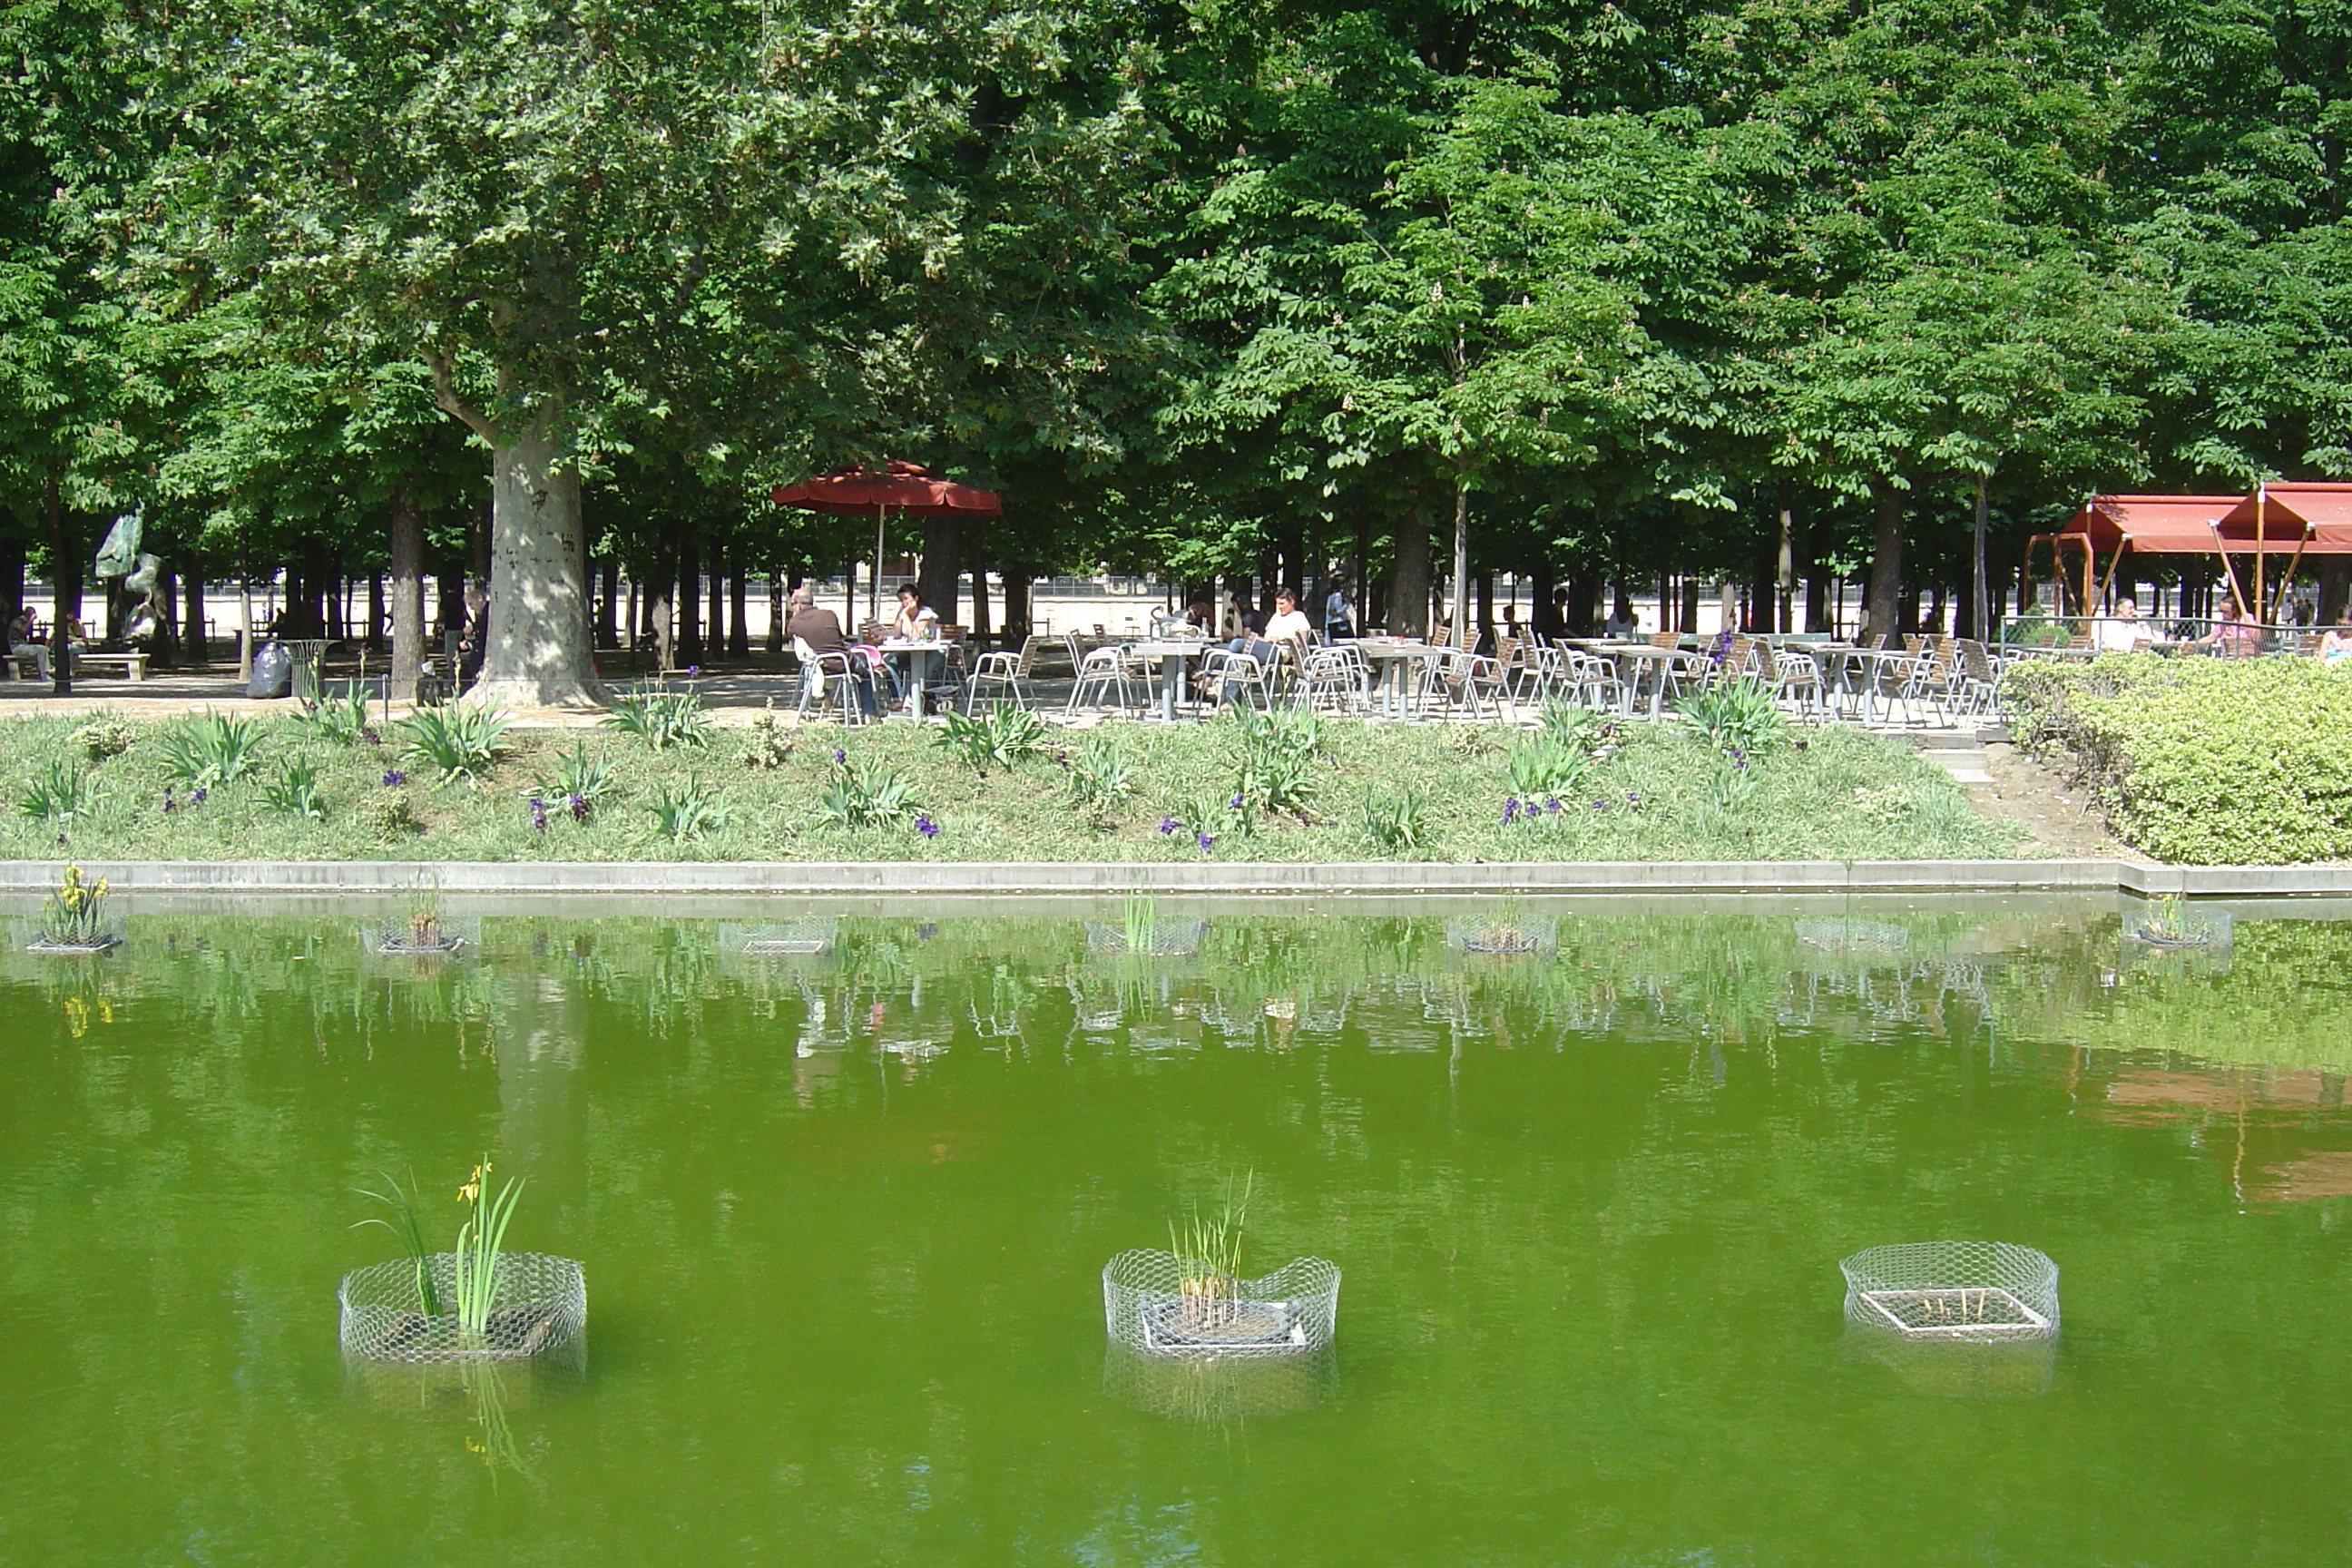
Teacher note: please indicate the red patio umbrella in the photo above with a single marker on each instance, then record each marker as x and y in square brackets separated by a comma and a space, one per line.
[897, 486]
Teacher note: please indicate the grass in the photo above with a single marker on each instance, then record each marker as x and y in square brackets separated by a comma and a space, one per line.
[1653, 792]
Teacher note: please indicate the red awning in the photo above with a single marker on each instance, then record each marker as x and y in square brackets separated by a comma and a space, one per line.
[2313, 518]
[896, 487]
[2151, 525]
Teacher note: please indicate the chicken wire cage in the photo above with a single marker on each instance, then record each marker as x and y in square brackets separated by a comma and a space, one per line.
[1156, 1304]
[1508, 935]
[1219, 1388]
[422, 933]
[1957, 1368]
[539, 1306]
[779, 939]
[1175, 938]
[39, 937]
[1980, 1292]
[447, 1390]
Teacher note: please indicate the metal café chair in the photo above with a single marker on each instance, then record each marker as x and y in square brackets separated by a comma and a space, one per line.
[1102, 672]
[830, 677]
[1009, 673]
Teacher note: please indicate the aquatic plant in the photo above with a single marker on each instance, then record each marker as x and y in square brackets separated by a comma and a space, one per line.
[1207, 1247]
[1139, 920]
[475, 1273]
[208, 750]
[402, 1201]
[463, 741]
[75, 912]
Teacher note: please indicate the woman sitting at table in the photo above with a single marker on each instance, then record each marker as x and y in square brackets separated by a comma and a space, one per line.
[2335, 646]
[1252, 642]
[916, 621]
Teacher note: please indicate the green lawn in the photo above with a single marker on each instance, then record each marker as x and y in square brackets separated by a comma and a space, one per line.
[1644, 792]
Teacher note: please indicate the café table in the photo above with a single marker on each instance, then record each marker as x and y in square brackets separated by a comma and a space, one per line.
[1640, 662]
[1389, 658]
[918, 652]
[1172, 654]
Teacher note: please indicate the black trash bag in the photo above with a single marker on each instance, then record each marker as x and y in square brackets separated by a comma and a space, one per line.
[273, 672]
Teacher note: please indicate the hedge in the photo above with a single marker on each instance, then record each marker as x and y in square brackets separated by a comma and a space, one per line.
[2200, 762]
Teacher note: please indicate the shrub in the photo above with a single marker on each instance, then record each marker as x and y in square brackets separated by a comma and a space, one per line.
[103, 738]
[1543, 768]
[767, 745]
[463, 741]
[2203, 761]
[208, 750]
[389, 817]
[1001, 735]
[662, 718]
[341, 719]
[579, 784]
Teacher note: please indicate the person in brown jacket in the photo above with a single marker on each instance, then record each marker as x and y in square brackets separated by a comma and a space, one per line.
[818, 629]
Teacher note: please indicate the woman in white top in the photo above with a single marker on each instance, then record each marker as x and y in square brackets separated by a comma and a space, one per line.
[1339, 615]
[1289, 623]
[917, 622]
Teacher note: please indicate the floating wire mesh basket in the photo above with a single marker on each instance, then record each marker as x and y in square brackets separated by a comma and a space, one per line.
[2169, 927]
[539, 1306]
[441, 1390]
[779, 939]
[1958, 1369]
[422, 935]
[1153, 1303]
[1504, 934]
[1963, 1292]
[1219, 1388]
[1174, 938]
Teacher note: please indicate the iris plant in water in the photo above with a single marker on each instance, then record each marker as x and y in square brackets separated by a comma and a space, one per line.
[402, 1201]
[476, 1275]
[1208, 1253]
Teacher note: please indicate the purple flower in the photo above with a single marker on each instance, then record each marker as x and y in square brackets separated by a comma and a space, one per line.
[579, 804]
[840, 756]
[198, 798]
[925, 932]
[926, 826]
[1510, 811]
[169, 803]
[538, 815]
[1167, 824]
[694, 669]
[1237, 803]
[1600, 805]
[1551, 806]
[367, 733]
[1208, 841]
[393, 778]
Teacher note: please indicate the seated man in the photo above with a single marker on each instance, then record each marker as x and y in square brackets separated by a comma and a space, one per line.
[818, 629]
[22, 642]
[2123, 632]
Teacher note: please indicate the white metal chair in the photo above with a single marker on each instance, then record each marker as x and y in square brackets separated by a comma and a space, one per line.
[1008, 672]
[1101, 671]
[1227, 676]
[831, 677]
[1797, 680]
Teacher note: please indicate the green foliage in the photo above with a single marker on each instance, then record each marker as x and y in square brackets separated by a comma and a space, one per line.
[463, 741]
[1100, 779]
[662, 718]
[1735, 718]
[2203, 761]
[342, 718]
[858, 796]
[686, 809]
[1574, 724]
[474, 1282]
[295, 791]
[402, 1202]
[1396, 820]
[1279, 763]
[1001, 735]
[389, 815]
[58, 798]
[1543, 767]
[103, 738]
[208, 750]
[579, 784]
[1209, 1246]
[73, 913]
[767, 745]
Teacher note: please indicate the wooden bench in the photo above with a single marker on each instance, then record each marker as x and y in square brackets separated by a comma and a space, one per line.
[21, 666]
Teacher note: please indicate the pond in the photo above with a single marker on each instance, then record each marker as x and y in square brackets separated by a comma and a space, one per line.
[844, 1214]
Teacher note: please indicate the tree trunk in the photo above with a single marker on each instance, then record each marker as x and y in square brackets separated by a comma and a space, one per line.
[1408, 606]
[942, 566]
[714, 642]
[1013, 577]
[1979, 594]
[408, 596]
[608, 618]
[1461, 560]
[1882, 607]
[689, 594]
[192, 607]
[776, 611]
[65, 585]
[739, 634]
[12, 573]
[2334, 574]
[538, 652]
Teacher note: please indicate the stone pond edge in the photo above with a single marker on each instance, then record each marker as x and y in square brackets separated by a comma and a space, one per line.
[1097, 879]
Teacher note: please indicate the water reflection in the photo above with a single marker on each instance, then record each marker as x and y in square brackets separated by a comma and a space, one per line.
[1219, 1390]
[477, 1400]
[1956, 1369]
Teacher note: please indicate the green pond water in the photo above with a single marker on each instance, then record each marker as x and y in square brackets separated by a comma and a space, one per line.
[843, 1219]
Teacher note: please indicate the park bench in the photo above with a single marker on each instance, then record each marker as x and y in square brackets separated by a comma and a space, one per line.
[133, 665]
